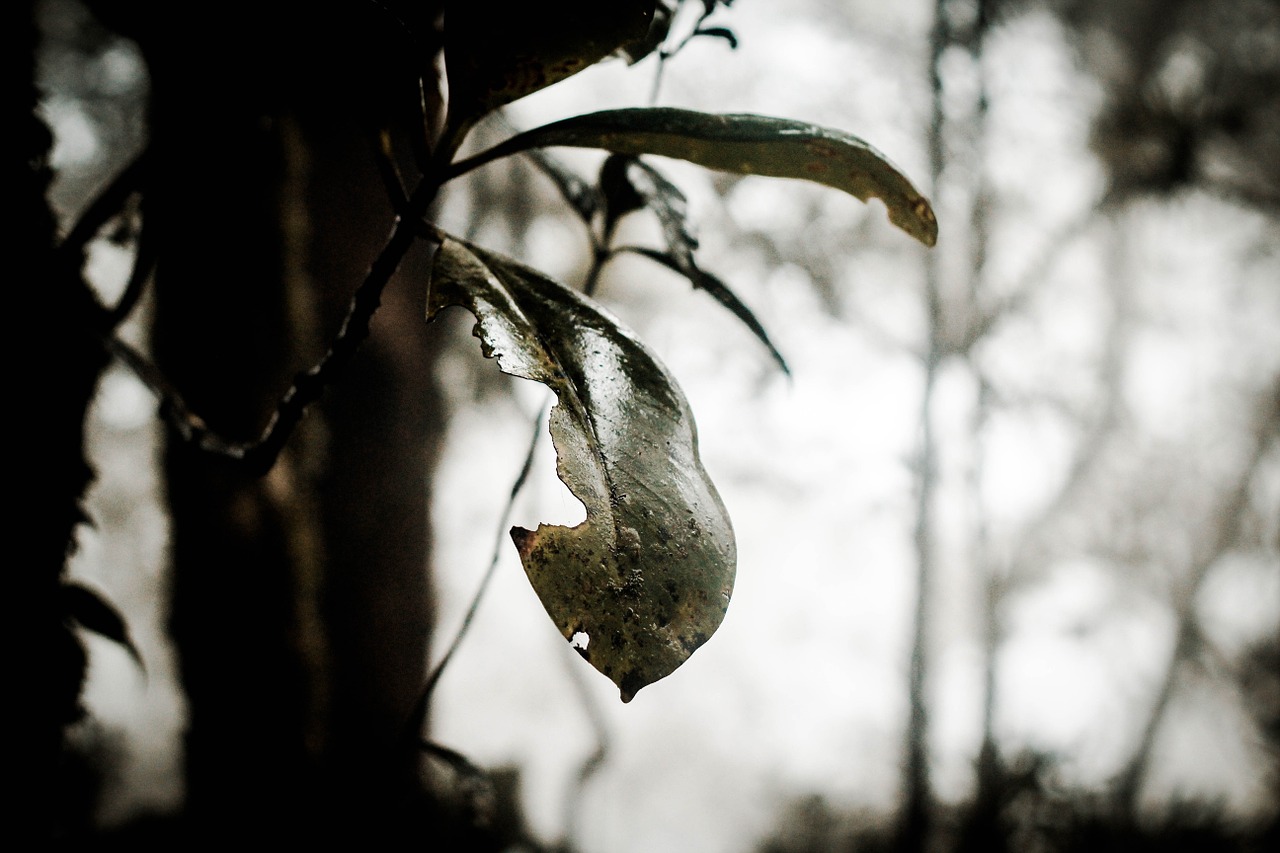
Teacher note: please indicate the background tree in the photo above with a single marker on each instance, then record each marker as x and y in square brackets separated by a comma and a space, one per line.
[1053, 293]
[650, 589]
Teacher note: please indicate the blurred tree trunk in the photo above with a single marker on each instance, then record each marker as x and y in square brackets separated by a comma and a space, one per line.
[300, 604]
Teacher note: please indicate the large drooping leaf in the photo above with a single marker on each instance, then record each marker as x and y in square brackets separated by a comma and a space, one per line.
[646, 578]
[498, 53]
[743, 144]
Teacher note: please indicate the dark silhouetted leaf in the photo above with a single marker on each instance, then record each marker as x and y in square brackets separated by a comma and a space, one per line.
[95, 614]
[497, 54]
[619, 192]
[718, 290]
[650, 188]
[719, 32]
[664, 199]
[582, 196]
[744, 144]
[645, 579]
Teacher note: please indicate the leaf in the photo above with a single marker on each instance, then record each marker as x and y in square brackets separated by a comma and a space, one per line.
[496, 54]
[661, 196]
[638, 183]
[96, 614]
[582, 196]
[619, 192]
[647, 576]
[719, 32]
[717, 290]
[743, 144]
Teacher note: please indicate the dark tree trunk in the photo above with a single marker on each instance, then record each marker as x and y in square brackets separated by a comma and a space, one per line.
[300, 605]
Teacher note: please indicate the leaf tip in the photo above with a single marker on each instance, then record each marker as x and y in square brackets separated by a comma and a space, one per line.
[630, 685]
[921, 224]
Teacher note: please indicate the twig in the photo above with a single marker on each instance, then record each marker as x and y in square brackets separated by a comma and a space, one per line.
[106, 205]
[666, 54]
[982, 325]
[144, 261]
[595, 760]
[384, 156]
[260, 455]
[417, 717]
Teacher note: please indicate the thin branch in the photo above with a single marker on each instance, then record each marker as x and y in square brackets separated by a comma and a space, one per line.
[1128, 783]
[595, 760]
[108, 203]
[601, 254]
[417, 719]
[475, 783]
[665, 54]
[1106, 415]
[260, 455]
[1024, 288]
[384, 157]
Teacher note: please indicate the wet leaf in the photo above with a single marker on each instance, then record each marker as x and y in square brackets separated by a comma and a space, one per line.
[645, 579]
[719, 32]
[743, 144]
[496, 54]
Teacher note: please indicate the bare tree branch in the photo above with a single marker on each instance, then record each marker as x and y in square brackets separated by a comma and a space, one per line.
[1128, 783]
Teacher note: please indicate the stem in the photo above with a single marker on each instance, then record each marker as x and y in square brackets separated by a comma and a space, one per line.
[1128, 783]
[417, 718]
[260, 455]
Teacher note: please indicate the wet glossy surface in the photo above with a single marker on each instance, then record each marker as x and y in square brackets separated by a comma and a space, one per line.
[744, 144]
[647, 576]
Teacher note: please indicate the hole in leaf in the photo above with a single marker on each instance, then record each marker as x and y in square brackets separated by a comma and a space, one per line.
[580, 640]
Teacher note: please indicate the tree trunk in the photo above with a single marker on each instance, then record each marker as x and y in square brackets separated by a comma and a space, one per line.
[300, 604]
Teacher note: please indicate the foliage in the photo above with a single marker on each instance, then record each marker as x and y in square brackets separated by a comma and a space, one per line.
[646, 579]
[648, 575]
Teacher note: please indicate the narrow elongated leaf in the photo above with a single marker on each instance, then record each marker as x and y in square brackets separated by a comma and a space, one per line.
[645, 579]
[717, 290]
[743, 144]
[651, 188]
[582, 196]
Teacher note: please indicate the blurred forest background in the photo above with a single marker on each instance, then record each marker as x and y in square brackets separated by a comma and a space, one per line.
[1009, 536]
